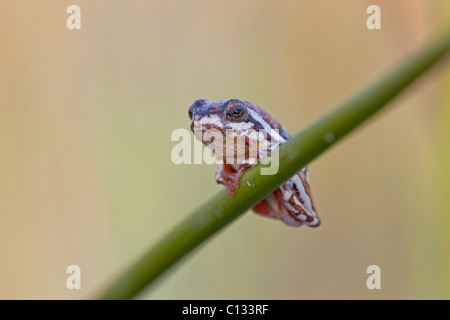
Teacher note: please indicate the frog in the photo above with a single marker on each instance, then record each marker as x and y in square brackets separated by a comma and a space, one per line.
[292, 202]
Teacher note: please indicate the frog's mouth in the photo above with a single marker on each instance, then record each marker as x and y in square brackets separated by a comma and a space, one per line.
[197, 126]
[207, 130]
[204, 131]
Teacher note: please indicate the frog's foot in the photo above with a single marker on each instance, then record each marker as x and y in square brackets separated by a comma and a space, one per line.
[227, 176]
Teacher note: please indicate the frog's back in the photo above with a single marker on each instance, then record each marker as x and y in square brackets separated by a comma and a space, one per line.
[263, 120]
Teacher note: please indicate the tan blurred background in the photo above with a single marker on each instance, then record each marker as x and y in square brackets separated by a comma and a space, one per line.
[85, 123]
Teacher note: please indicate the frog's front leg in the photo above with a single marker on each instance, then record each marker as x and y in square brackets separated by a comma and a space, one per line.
[229, 177]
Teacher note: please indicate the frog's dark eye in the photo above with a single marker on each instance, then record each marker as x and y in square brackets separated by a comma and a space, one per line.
[236, 111]
[190, 112]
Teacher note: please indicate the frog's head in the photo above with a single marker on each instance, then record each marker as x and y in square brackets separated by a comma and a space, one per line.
[239, 119]
[223, 115]
[225, 119]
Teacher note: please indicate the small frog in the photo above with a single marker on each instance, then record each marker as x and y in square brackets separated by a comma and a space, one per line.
[292, 202]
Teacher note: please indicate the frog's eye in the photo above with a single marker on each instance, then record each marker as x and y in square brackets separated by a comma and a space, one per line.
[236, 112]
[190, 112]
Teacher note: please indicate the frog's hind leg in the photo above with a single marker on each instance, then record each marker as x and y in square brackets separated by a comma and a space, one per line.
[269, 206]
[274, 207]
[263, 208]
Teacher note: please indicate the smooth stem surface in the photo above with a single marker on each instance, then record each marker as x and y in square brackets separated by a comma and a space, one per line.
[221, 209]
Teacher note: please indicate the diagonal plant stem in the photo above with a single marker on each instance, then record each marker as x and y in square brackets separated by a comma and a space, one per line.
[296, 153]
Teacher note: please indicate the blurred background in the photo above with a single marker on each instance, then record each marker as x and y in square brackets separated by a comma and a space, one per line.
[85, 122]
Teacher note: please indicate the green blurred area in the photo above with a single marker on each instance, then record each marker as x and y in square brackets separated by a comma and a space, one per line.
[86, 118]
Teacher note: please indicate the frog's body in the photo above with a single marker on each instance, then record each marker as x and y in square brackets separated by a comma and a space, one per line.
[292, 201]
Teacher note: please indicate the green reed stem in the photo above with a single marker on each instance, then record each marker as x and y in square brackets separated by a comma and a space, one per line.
[296, 153]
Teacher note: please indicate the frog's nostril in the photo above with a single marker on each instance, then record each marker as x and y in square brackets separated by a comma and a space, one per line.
[197, 104]
[200, 102]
